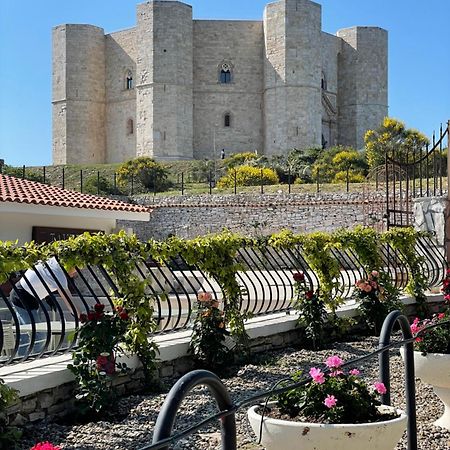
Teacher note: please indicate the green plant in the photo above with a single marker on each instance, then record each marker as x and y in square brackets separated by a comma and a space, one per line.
[248, 176]
[208, 335]
[333, 396]
[404, 241]
[392, 138]
[8, 435]
[239, 159]
[152, 175]
[93, 361]
[376, 297]
[437, 339]
[99, 185]
[311, 309]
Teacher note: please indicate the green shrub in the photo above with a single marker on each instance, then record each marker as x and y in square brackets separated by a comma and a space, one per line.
[248, 176]
[239, 159]
[144, 170]
[353, 177]
[99, 185]
[30, 174]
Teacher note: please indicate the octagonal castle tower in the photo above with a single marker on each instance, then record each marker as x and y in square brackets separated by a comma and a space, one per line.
[177, 88]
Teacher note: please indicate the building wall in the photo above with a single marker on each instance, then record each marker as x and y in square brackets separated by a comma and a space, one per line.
[177, 106]
[78, 94]
[292, 93]
[363, 88]
[121, 56]
[331, 46]
[240, 44]
[164, 89]
[18, 226]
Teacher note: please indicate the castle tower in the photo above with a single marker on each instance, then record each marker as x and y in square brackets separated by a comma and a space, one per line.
[164, 98]
[292, 77]
[363, 82]
[78, 94]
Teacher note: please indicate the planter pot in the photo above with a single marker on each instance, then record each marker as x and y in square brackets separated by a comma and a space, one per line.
[434, 369]
[287, 435]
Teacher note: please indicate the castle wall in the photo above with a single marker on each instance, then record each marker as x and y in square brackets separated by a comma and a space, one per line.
[121, 56]
[363, 82]
[292, 96]
[164, 83]
[176, 108]
[331, 46]
[78, 94]
[240, 43]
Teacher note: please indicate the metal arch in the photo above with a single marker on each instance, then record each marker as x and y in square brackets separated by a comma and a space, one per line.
[167, 416]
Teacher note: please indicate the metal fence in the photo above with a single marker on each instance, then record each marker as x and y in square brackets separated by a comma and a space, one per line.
[264, 276]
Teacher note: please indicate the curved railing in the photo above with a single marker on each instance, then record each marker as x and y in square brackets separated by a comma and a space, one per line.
[264, 276]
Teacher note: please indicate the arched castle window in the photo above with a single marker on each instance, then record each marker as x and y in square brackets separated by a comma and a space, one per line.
[129, 80]
[324, 82]
[130, 126]
[227, 120]
[225, 73]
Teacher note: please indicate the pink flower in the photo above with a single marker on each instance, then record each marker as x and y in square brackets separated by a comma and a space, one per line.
[447, 297]
[375, 273]
[336, 373]
[330, 401]
[380, 387]
[334, 362]
[204, 296]
[317, 375]
[415, 328]
[354, 372]
[45, 446]
[441, 316]
[367, 288]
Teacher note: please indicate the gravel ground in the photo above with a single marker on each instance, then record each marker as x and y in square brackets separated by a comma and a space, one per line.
[140, 411]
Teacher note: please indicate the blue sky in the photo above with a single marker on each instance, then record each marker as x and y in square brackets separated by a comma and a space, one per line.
[419, 62]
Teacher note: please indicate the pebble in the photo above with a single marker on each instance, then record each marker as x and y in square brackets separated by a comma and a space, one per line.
[135, 430]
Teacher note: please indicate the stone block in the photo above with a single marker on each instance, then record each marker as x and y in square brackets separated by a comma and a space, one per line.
[35, 416]
[166, 371]
[29, 405]
[45, 400]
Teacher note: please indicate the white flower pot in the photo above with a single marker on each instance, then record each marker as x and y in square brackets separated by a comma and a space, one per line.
[287, 435]
[434, 369]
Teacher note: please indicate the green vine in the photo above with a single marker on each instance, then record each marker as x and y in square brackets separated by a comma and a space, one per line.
[404, 241]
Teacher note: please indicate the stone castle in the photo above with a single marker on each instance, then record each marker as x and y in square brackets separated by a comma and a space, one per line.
[176, 88]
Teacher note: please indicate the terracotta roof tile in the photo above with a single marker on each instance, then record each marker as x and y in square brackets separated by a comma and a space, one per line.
[16, 190]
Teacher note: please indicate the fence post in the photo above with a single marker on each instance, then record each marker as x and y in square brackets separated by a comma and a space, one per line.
[43, 174]
[182, 183]
[318, 182]
[410, 386]
[115, 182]
[23, 172]
[210, 182]
[98, 182]
[289, 178]
[235, 182]
[348, 180]
[262, 181]
[132, 184]
[154, 182]
[81, 180]
[63, 178]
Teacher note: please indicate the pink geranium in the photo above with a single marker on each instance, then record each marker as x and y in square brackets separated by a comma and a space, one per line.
[330, 401]
[45, 446]
[354, 372]
[380, 387]
[317, 375]
[334, 362]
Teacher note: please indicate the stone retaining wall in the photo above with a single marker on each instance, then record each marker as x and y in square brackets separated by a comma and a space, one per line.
[192, 216]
